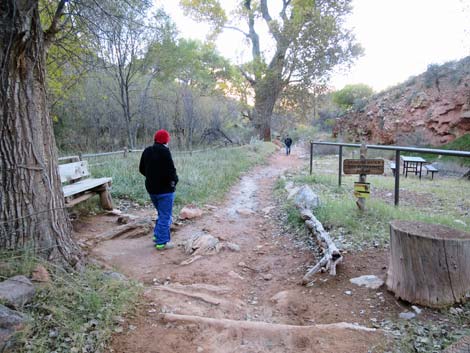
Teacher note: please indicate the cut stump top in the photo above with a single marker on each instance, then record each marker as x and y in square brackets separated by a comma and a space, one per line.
[430, 231]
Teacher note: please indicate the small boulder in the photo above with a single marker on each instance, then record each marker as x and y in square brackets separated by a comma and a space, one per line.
[115, 276]
[407, 315]
[17, 291]
[368, 281]
[190, 212]
[11, 321]
[305, 198]
[40, 274]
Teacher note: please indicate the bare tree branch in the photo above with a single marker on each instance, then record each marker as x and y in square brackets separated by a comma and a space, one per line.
[54, 28]
[269, 21]
[247, 77]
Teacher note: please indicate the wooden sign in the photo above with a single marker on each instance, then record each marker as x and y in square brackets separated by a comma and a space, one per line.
[363, 166]
[362, 190]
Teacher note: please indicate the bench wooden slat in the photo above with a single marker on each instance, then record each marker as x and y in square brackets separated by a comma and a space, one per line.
[431, 168]
[73, 171]
[84, 185]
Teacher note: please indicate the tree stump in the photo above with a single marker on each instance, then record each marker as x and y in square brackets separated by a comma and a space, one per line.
[429, 263]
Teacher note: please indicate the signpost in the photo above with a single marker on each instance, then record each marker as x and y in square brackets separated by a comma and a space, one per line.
[362, 190]
[363, 166]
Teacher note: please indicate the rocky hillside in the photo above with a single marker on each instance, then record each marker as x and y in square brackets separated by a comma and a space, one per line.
[430, 109]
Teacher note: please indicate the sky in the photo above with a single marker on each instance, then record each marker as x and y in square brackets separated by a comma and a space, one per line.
[400, 38]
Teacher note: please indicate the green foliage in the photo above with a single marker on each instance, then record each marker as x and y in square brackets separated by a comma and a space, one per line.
[191, 62]
[76, 311]
[209, 11]
[309, 39]
[352, 95]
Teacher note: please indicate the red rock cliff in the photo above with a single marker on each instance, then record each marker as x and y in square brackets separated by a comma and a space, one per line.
[430, 109]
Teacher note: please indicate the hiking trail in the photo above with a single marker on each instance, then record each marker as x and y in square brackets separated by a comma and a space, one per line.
[249, 300]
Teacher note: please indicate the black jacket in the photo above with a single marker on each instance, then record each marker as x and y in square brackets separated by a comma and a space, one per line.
[159, 170]
[288, 141]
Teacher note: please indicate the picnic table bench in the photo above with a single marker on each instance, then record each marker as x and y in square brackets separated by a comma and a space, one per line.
[413, 164]
[393, 167]
[431, 169]
[78, 186]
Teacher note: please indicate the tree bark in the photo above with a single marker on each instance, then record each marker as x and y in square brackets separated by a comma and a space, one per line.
[429, 263]
[32, 206]
[266, 94]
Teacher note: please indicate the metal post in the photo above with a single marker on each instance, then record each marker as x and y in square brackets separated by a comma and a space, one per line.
[397, 177]
[311, 157]
[340, 167]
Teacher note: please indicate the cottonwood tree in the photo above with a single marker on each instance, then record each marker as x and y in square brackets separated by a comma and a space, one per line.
[32, 209]
[305, 42]
[192, 70]
[122, 41]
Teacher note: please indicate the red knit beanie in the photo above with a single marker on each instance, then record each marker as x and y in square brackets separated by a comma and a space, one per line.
[162, 136]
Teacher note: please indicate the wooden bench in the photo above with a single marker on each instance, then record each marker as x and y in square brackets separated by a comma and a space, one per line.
[78, 186]
[431, 169]
[393, 167]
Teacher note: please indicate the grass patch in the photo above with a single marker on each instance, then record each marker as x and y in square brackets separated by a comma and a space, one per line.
[75, 312]
[204, 176]
[443, 201]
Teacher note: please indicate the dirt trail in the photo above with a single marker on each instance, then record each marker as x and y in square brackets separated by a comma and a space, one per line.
[243, 301]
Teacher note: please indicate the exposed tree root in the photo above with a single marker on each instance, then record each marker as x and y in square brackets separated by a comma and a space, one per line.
[203, 297]
[261, 326]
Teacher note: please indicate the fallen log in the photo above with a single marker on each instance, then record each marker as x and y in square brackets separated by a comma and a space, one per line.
[331, 254]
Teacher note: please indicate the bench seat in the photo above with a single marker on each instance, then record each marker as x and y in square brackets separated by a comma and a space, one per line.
[432, 169]
[84, 185]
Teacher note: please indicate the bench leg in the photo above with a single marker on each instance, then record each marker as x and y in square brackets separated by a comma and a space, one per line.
[105, 198]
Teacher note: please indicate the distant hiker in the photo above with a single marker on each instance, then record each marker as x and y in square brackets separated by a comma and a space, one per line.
[288, 143]
[156, 164]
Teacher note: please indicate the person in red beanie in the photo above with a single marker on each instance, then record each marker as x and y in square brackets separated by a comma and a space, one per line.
[156, 164]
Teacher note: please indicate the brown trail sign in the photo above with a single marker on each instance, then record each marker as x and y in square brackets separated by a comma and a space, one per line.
[363, 166]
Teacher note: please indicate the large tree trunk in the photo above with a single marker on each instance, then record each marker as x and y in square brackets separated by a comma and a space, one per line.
[264, 106]
[266, 94]
[32, 209]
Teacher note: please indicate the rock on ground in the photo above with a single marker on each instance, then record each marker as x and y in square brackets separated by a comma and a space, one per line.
[305, 198]
[368, 281]
[40, 274]
[17, 291]
[190, 212]
[10, 322]
[407, 315]
[115, 276]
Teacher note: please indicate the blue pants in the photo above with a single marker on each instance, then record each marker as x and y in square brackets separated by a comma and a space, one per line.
[287, 150]
[164, 205]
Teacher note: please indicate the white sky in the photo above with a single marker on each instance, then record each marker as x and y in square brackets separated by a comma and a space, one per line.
[400, 38]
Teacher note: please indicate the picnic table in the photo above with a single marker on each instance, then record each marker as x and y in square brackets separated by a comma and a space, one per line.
[412, 164]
